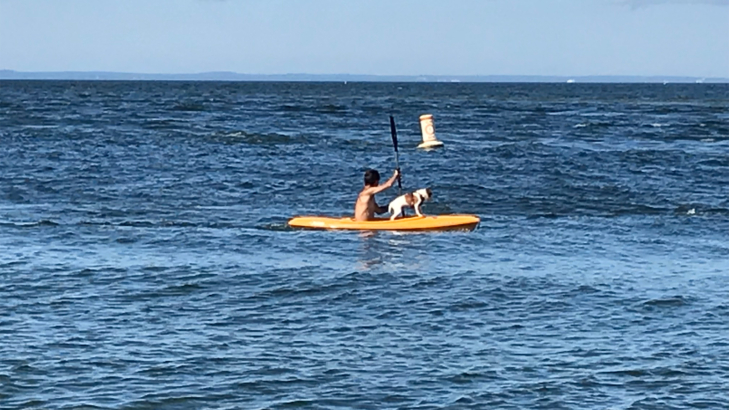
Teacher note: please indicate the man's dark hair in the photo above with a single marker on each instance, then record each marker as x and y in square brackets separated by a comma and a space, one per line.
[371, 177]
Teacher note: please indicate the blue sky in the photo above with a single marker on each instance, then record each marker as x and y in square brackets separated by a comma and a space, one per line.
[381, 37]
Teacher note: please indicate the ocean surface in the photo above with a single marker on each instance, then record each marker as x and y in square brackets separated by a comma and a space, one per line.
[145, 260]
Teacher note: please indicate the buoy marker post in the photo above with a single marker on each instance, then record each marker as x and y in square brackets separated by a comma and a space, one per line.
[427, 128]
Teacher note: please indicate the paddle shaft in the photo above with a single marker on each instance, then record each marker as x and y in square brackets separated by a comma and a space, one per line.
[393, 132]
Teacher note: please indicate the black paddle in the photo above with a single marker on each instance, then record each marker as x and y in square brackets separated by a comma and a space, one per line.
[393, 131]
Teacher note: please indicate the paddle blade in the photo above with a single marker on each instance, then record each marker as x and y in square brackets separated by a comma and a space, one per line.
[393, 131]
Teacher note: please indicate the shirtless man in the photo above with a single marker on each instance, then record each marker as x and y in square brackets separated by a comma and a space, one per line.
[366, 207]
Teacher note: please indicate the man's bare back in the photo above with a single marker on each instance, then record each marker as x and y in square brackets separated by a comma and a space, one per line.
[366, 206]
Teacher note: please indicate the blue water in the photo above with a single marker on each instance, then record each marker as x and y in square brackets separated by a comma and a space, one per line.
[145, 261]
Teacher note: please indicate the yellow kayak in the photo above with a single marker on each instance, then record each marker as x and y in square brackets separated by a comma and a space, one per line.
[410, 223]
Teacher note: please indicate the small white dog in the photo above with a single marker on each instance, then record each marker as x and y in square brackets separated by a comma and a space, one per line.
[411, 200]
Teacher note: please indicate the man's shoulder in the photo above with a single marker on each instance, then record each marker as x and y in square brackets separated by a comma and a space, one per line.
[367, 191]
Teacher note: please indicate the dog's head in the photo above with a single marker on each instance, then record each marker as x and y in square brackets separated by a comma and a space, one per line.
[424, 194]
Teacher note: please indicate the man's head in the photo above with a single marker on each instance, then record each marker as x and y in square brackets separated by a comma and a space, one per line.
[371, 177]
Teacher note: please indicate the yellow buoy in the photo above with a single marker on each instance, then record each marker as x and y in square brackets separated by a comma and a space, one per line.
[427, 128]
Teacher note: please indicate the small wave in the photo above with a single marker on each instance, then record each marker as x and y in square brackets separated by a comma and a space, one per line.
[640, 210]
[252, 138]
[163, 224]
[160, 123]
[170, 291]
[698, 209]
[180, 290]
[468, 304]
[596, 124]
[189, 106]
[714, 162]
[298, 403]
[292, 108]
[276, 227]
[12, 264]
[138, 224]
[584, 289]
[471, 376]
[331, 108]
[44, 222]
[627, 372]
[40, 127]
[666, 302]
[306, 289]
[547, 215]
[567, 112]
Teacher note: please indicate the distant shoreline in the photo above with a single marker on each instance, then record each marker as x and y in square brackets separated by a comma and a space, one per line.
[230, 76]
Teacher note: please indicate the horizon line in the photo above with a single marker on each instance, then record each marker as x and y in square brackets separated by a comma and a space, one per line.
[7, 74]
